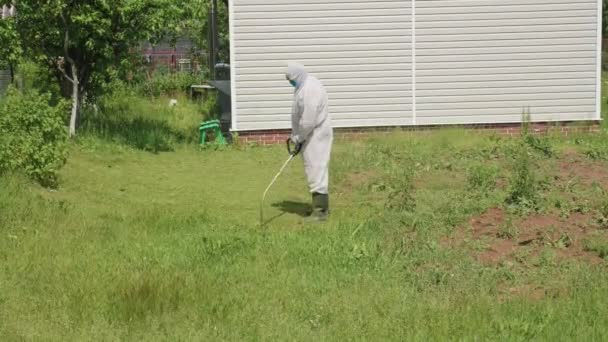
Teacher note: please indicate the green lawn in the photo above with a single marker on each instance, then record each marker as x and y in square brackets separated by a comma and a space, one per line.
[155, 247]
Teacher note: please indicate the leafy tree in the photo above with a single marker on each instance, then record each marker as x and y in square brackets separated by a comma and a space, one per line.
[10, 49]
[81, 39]
[194, 23]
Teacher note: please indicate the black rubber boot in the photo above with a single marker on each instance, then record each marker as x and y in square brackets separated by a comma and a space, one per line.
[320, 208]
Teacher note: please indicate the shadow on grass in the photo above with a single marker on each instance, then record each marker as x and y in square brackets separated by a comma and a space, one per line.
[141, 133]
[297, 208]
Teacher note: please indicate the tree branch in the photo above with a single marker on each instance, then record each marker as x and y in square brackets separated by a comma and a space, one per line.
[66, 48]
[65, 74]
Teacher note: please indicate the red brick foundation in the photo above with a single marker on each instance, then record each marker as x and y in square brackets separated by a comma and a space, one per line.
[271, 137]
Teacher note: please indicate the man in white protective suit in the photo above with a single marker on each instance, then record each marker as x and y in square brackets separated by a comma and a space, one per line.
[313, 133]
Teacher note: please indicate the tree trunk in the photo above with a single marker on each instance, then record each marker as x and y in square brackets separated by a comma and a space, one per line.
[75, 101]
[12, 71]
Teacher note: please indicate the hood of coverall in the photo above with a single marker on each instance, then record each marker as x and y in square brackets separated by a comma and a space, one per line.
[296, 72]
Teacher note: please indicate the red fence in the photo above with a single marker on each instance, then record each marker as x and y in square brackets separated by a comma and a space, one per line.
[173, 59]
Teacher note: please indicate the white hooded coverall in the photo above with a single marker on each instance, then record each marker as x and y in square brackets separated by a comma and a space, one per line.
[311, 125]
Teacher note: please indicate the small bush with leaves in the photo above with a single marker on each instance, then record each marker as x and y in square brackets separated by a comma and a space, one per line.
[32, 136]
[524, 186]
[211, 107]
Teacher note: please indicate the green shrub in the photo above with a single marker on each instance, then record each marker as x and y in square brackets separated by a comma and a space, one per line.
[211, 107]
[524, 191]
[32, 136]
[32, 76]
[168, 84]
[524, 185]
[122, 116]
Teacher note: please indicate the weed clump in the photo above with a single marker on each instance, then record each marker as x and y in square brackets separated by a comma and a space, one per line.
[599, 246]
[482, 177]
[398, 175]
[401, 189]
[524, 191]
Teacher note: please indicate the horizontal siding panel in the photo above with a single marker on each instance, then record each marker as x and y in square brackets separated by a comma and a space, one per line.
[324, 6]
[401, 121]
[263, 28]
[335, 117]
[505, 50]
[280, 82]
[499, 77]
[521, 43]
[323, 41]
[491, 3]
[502, 98]
[240, 5]
[513, 118]
[332, 75]
[395, 9]
[248, 93]
[325, 48]
[481, 69]
[285, 56]
[504, 104]
[315, 22]
[373, 110]
[524, 18]
[368, 62]
[531, 7]
[500, 90]
[572, 12]
[491, 30]
[510, 63]
[333, 102]
[325, 69]
[346, 95]
[502, 84]
[503, 22]
[437, 38]
[536, 110]
[422, 61]
[247, 38]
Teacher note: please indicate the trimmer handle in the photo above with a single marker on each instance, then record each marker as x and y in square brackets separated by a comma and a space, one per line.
[296, 148]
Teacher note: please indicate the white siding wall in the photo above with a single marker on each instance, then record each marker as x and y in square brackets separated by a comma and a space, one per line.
[475, 61]
[483, 61]
[360, 49]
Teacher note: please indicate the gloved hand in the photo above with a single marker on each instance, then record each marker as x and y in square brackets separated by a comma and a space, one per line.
[293, 140]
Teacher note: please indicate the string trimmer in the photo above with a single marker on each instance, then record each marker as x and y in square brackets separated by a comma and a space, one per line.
[292, 154]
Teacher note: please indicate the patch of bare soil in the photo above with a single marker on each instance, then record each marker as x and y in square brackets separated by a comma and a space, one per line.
[574, 167]
[495, 240]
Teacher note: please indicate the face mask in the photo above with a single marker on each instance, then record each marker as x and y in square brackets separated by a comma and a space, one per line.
[293, 83]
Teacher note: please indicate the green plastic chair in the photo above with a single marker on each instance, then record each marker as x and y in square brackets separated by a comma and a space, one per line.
[213, 125]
